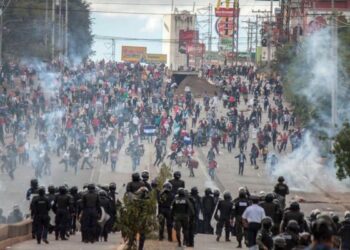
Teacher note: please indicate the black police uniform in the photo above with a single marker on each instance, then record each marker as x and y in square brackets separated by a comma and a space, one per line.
[91, 208]
[225, 207]
[241, 204]
[208, 205]
[61, 207]
[40, 213]
[165, 200]
[176, 184]
[181, 210]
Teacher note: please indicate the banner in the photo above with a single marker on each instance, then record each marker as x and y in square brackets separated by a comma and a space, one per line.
[133, 54]
[156, 58]
[226, 12]
[196, 49]
[187, 37]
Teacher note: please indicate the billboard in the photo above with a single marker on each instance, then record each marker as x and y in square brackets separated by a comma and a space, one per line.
[226, 12]
[156, 58]
[133, 54]
[187, 37]
[195, 49]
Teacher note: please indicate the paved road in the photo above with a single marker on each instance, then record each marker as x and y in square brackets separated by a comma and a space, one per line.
[227, 179]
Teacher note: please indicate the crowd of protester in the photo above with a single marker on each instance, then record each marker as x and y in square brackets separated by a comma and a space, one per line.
[104, 109]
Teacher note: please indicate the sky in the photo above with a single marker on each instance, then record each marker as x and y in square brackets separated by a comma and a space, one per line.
[116, 18]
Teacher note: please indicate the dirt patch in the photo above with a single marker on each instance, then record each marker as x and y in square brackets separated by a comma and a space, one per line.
[197, 85]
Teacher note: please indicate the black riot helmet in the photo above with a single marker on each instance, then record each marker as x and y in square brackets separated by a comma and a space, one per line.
[51, 189]
[194, 191]
[216, 193]
[167, 186]
[181, 192]
[62, 190]
[294, 206]
[280, 179]
[208, 191]
[41, 191]
[34, 183]
[73, 190]
[227, 195]
[102, 193]
[293, 226]
[112, 187]
[269, 197]
[145, 175]
[91, 187]
[135, 177]
[177, 175]
[266, 223]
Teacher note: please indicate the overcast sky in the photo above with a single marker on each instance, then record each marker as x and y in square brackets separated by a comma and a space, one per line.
[108, 21]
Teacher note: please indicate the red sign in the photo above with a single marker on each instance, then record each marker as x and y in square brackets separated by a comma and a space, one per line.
[195, 49]
[226, 12]
[187, 37]
[225, 26]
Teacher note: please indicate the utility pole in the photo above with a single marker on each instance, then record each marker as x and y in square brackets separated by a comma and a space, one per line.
[66, 31]
[59, 28]
[113, 50]
[256, 36]
[53, 30]
[1, 28]
[269, 37]
[334, 56]
[46, 23]
[210, 27]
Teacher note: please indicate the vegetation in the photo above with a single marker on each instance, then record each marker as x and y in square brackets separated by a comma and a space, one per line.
[27, 35]
[138, 215]
[342, 152]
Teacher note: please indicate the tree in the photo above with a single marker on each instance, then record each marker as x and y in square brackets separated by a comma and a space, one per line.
[342, 152]
[25, 30]
[138, 211]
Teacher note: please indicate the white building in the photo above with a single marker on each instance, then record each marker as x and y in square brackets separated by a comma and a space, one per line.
[172, 24]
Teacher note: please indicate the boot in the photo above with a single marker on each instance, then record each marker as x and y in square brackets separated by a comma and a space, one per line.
[170, 235]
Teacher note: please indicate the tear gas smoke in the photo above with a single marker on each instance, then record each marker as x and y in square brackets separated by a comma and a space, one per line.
[305, 169]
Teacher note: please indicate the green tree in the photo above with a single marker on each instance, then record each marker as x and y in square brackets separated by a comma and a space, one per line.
[342, 152]
[138, 211]
[25, 30]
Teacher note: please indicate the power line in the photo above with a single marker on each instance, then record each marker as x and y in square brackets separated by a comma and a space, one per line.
[149, 13]
[167, 4]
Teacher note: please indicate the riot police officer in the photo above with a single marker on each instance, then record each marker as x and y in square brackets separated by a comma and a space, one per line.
[240, 205]
[91, 209]
[224, 216]
[135, 184]
[145, 179]
[40, 213]
[181, 211]
[291, 234]
[292, 213]
[61, 207]
[208, 205]
[272, 210]
[106, 204]
[197, 206]
[177, 182]
[33, 190]
[73, 191]
[165, 200]
[282, 190]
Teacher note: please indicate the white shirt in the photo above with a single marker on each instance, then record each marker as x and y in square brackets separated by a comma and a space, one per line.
[254, 213]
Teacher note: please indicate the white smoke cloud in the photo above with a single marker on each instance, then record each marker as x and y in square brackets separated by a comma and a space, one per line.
[305, 169]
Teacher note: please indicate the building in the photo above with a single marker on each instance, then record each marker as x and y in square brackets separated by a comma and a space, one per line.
[172, 24]
[306, 16]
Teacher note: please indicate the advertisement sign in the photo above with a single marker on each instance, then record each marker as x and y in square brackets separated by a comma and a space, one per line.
[133, 54]
[187, 37]
[226, 12]
[226, 43]
[196, 49]
[156, 58]
[225, 26]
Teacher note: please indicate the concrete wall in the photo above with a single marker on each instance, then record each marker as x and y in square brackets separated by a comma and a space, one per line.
[172, 24]
[15, 233]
